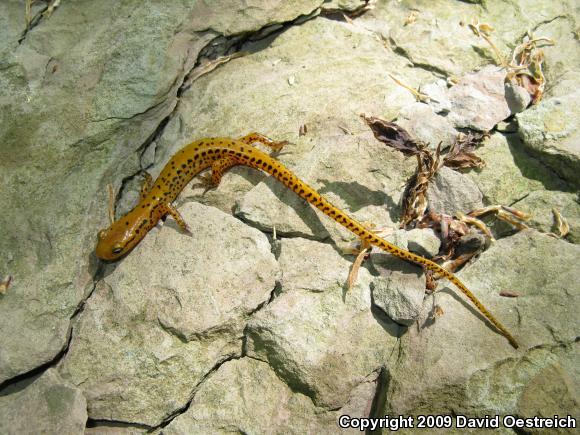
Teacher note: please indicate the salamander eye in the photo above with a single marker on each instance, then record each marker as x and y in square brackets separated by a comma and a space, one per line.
[117, 249]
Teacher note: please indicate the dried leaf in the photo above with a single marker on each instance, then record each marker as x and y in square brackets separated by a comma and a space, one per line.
[461, 155]
[5, 284]
[526, 66]
[507, 214]
[424, 98]
[450, 230]
[477, 223]
[509, 294]
[393, 135]
[484, 30]
[517, 213]
[411, 18]
[430, 283]
[345, 130]
[415, 200]
[456, 263]
[353, 274]
[561, 223]
[51, 7]
[438, 311]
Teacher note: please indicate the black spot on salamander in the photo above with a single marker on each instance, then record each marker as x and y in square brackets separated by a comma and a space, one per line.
[309, 194]
[183, 165]
[269, 167]
[275, 171]
[259, 161]
[189, 161]
[203, 153]
[178, 171]
[253, 159]
[126, 222]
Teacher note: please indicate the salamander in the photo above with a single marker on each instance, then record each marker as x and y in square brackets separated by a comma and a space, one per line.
[220, 154]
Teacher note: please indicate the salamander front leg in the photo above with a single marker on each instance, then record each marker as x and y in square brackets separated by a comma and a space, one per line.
[147, 184]
[260, 138]
[171, 210]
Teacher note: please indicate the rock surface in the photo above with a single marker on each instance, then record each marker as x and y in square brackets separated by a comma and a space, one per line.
[48, 402]
[315, 340]
[246, 396]
[481, 374]
[236, 330]
[423, 242]
[156, 326]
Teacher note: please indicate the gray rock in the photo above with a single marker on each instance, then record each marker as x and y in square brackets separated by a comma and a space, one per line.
[423, 123]
[399, 293]
[81, 105]
[399, 287]
[246, 396]
[115, 429]
[539, 205]
[550, 131]
[438, 93]
[359, 180]
[154, 318]
[510, 173]
[450, 192]
[323, 344]
[475, 371]
[345, 5]
[518, 99]
[423, 242]
[228, 17]
[322, 272]
[55, 163]
[46, 404]
[473, 241]
[478, 101]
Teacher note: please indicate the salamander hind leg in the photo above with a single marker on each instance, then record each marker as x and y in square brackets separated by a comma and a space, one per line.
[218, 169]
[171, 210]
[264, 140]
[147, 184]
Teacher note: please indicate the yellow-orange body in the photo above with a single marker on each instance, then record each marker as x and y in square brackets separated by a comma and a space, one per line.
[220, 154]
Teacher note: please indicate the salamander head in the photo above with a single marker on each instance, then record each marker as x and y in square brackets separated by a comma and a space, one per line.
[123, 235]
